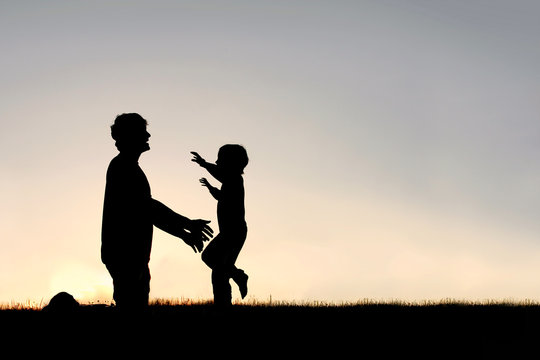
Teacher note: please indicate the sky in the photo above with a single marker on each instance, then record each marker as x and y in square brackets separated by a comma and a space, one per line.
[393, 144]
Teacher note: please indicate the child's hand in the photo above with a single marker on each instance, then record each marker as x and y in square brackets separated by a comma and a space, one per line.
[197, 158]
[204, 182]
[216, 193]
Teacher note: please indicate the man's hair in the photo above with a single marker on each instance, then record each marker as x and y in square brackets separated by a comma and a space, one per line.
[125, 123]
[235, 155]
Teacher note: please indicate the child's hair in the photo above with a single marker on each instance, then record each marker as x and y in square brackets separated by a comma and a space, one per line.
[235, 156]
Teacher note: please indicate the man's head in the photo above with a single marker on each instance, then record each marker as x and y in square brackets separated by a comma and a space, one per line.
[129, 132]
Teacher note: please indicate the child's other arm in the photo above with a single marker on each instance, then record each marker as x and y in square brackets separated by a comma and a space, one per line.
[216, 193]
[211, 168]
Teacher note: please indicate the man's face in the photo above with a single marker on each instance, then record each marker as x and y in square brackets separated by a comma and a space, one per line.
[137, 140]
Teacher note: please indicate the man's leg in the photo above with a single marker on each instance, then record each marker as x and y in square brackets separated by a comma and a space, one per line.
[131, 286]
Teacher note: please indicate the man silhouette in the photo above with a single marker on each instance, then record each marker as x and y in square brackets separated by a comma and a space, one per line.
[130, 213]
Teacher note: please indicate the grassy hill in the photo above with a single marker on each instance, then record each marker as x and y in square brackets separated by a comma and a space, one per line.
[384, 330]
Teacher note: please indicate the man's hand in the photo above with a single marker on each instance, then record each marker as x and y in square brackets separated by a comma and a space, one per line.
[197, 232]
[201, 228]
[194, 241]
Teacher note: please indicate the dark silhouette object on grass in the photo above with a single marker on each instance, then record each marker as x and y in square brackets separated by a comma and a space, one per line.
[221, 253]
[130, 213]
[62, 303]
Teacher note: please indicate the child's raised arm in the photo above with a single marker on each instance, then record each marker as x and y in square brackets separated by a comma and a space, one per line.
[211, 168]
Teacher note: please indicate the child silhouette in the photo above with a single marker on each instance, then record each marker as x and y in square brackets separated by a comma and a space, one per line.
[221, 253]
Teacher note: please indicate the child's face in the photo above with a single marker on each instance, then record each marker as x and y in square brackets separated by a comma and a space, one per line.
[220, 162]
[223, 162]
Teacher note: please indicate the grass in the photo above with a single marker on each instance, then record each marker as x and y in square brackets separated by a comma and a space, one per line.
[27, 305]
[252, 302]
[447, 328]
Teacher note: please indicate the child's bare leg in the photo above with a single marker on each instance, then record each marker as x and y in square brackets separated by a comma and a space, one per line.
[240, 278]
[221, 287]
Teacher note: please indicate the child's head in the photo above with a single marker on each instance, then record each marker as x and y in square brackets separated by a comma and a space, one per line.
[232, 157]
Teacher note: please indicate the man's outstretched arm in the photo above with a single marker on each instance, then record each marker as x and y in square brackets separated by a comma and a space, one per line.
[192, 232]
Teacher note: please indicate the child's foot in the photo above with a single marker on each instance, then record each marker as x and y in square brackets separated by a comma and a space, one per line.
[241, 280]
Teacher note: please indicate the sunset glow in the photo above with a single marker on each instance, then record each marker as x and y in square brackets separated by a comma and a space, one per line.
[393, 145]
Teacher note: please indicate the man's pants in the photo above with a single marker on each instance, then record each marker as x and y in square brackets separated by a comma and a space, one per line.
[131, 285]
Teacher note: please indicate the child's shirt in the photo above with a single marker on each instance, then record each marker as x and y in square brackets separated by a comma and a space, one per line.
[230, 206]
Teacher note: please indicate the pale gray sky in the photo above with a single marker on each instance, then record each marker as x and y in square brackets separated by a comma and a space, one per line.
[393, 144]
